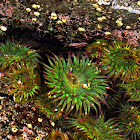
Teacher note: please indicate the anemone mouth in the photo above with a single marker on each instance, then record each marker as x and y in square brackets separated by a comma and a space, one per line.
[128, 57]
[124, 59]
[73, 80]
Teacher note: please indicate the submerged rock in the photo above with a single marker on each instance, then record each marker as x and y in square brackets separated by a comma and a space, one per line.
[94, 17]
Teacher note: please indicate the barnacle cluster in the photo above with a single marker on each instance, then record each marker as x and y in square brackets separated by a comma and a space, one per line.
[76, 84]
[120, 60]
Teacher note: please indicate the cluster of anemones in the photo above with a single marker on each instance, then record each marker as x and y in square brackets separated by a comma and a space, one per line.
[19, 63]
[43, 103]
[76, 85]
[122, 61]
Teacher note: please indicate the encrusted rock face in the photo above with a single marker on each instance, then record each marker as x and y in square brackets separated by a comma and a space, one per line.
[74, 21]
[21, 121]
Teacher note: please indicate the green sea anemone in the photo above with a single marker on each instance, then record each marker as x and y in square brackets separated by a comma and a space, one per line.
[57, 135]
[115, 97]
[75, 84]
[120, 60]
[12, 53]
[22, 81]
[129, 121]
[96, 129]
[43, 103]
[95, 49]
[133, 89]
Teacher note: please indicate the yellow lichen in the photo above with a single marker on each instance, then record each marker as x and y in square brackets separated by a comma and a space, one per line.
[81, 29]
[36, 14]
[34, 19]
[119, 22]
[34, 6]
[37, 138]
[96, 5]
[3, 28]
[99, 9]
[107, 33]
[40, 119]
[64, 20]
[28, 9]
[128, 27]
[59, 22]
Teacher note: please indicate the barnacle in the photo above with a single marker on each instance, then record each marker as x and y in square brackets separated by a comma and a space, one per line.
[14, 129]
[96, 129]
[95, 49]
[75, 84]
[129, 121]
[120, 60]
[22, 82]
[133, 89]
[57, 135]
[12, 53]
